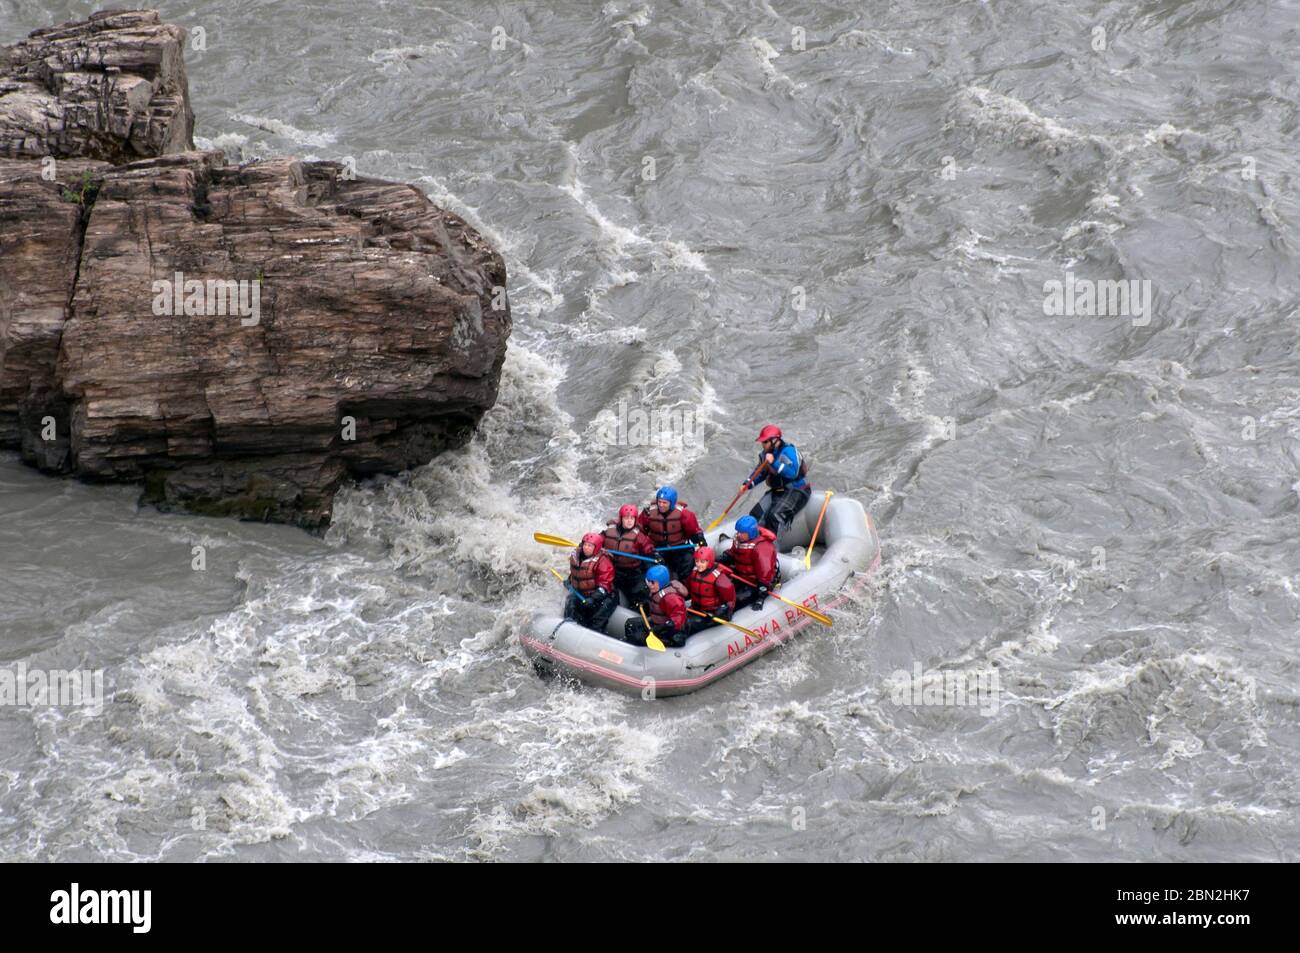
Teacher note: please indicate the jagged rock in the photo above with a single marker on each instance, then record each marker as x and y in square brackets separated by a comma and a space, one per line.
[112, 87]
[366, 331]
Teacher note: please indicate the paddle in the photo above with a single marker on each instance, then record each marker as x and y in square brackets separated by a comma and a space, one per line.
[560, 541]
[720, 621]
[812, 613]
[550, 540]
[744, 488]
[580, 596]
[668, 549]
[652, 641]
[612, 553]
[807, 556]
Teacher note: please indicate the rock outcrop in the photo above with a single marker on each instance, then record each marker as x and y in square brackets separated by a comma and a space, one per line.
[240, 340]
[112, 87]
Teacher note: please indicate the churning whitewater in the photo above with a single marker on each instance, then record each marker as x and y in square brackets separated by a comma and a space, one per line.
[887, 230]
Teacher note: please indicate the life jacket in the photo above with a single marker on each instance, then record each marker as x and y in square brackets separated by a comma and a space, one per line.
[582, 572]
[664, 529]
[657, 613]
[779, 483]
[706, 593]
[756, 558]
[619, 540]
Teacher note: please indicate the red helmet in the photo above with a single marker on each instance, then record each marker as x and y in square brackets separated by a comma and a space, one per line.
[597, 542]
[768, 432]
[705, 553]
[627, 509]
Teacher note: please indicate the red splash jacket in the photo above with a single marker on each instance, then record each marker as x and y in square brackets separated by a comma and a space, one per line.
[711, 589]
[587, 573]
[756, 559]
[668, 529]
[669, 605]
[631, 540]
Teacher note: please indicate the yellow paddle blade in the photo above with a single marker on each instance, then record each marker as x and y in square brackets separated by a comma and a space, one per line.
[550, 540]
[715, 524]
[556, 574]
[652, 641]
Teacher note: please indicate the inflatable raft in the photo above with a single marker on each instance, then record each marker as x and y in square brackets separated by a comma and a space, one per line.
[847, 551]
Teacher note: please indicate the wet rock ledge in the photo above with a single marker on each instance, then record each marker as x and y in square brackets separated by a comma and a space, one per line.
[240, 340]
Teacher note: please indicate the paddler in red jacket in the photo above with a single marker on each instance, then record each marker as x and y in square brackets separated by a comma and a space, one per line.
[668, 524]
[624, 535]
[711, 590]
[591, 577]
[752, 555]
[666, 611]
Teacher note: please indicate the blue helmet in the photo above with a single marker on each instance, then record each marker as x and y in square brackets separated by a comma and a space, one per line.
[658, 575]
[668, 493]
[747, 525]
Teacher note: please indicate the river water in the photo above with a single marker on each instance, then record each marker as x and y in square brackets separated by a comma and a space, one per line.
[838, 217]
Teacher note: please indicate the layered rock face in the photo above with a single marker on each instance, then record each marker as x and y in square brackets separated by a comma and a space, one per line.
[239, 339]
[40, 245]
[112, 88]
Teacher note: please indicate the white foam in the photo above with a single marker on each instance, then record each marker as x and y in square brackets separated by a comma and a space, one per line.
[1090, 225]
[617, 17]
[511, 247]
[1195, 693]
[399, 55]
[1165, 134]
[577, 760]
[286, 131]
[1007, 116]
[619, 239]
[231, 143]
[461, 507]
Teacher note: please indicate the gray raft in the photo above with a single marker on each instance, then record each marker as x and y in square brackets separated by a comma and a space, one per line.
[848, 550]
